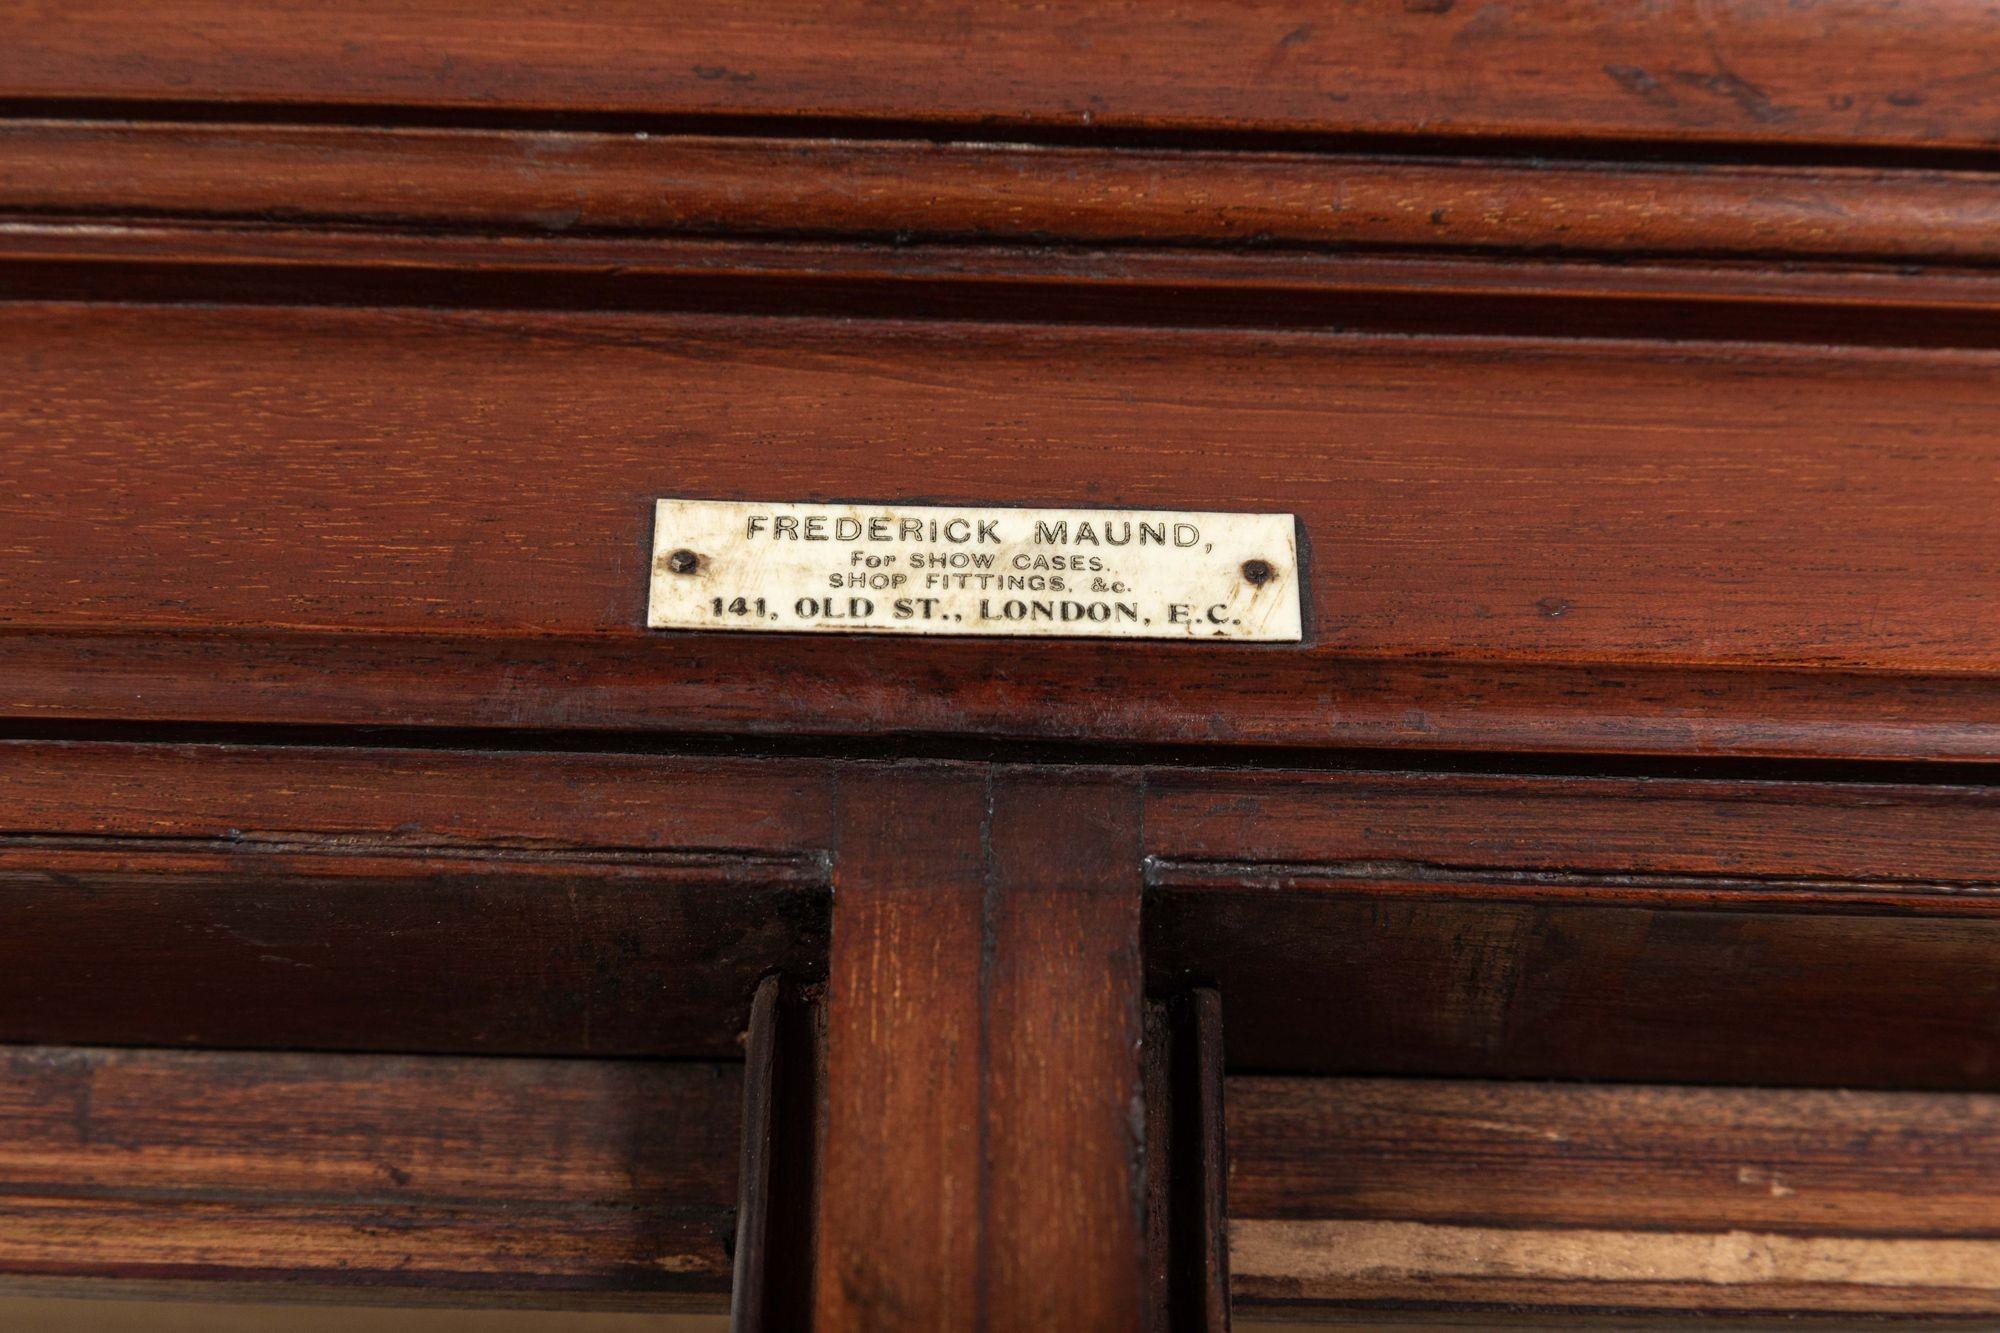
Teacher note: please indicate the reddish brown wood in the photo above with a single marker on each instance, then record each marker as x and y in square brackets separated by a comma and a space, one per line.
[335, 897]
[1343, 982]
[1437, 292]
[901, 1220]
[557, 1180]
[421, 527]
[1831, 72]
[554, 183]
[1613, 363]
[1703, 1159]
[1286, 697]
[1756, 932]
[1570, 1197]
[439, 800]
[1063, 1108]
[1549, 464]
[220, 945]
[983, 1054]
[1758, 834]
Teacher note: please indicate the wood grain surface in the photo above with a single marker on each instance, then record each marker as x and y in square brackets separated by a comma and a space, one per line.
[1630, 372]
[901, 1215]
[1522, 926]
[392, 496]
[1756, 511]
[399, 797]
[1742, 930]
[323, 1173]
[348, 899]
[1342, 981]
[223, 945]
[1827, 73]
[1559, 1196]
[1767, 832]
[1538, 291]
[1064, 1023]
[983, 1163]
[580, 184]
[1560, 923]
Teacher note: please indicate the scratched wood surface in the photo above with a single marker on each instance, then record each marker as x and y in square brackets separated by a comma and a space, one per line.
[1765, 512]
[491, 1179]
[1827, 73]
[1755, 932]
[354, 899]
[983, 1165]
[1731, 493]
[1630, 372]
[1370, 922]
[1381, 1191]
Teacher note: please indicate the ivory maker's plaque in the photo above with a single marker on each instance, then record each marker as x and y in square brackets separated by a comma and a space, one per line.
[916, 569]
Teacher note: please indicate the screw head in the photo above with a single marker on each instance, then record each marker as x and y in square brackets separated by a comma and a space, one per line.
[683, 561]
[1257, 573]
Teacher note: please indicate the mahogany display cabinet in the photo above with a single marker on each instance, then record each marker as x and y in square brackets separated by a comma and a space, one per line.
[1018, 667]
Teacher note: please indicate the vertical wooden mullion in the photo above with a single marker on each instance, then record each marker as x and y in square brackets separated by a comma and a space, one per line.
[1064, 1031]
[900, 1218]
[982, 1161]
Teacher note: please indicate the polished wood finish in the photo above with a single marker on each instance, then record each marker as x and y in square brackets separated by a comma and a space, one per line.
[1066, 1176]
[572, 184]
[982, 1160]
[1771, 834]
[403, 798]
[1830, 73]
[1687, 514]
[1562, 558]
[903, 1199]
[1367, 921]
[1630, 375]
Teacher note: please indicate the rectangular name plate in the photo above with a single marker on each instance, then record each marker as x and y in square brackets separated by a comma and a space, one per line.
[918, 569]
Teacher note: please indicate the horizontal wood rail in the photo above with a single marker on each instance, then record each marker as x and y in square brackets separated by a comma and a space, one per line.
[582, 183]
[345, 1176]
[1724, 549]
[343, 945]
[1370, 1192]
[1834, 74]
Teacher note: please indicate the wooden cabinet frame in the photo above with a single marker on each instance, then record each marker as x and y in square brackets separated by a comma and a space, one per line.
[985, 1054]
[1593, 912]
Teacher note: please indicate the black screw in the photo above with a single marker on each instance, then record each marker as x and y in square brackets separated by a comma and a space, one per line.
[684, 562]
[1257, 573]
